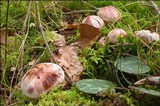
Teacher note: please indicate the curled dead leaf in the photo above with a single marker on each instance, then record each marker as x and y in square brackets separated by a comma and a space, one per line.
[67, 57]
[88, 35]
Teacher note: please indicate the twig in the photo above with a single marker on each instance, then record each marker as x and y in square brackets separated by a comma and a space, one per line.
[89, 5]
[21, 51]
[155, 6]
[26, 19]
[42, 33]
[79, 11]
[3, 80]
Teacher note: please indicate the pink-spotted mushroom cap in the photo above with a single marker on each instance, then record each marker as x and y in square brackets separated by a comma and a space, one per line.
[41, 78]
[94, 21]
[109, 14]
[114, 34]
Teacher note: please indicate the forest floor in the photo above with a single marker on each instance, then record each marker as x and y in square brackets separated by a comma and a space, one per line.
[27, 48]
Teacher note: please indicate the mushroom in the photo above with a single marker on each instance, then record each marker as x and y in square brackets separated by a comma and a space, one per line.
[114, 34]
[147, 36]
[109, 14]
[11, 32]
[41, 78]
[102, 41]
[94, 21]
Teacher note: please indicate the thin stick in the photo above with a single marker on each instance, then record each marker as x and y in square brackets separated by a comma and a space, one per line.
[89, 5]
[5, 58]
[21, 52]
[26, 18]
[79, 11]
[154, 5]
[42, 33]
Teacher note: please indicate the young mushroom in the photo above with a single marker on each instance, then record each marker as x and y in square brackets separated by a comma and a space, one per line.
[41, 78]
[115, 33]
[109, 14]
[94, 21]
[102, 41]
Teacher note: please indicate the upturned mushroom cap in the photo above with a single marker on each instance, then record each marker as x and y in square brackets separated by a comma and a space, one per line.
[41, 78]
[94, 21]
[115, 33]
[109, 14]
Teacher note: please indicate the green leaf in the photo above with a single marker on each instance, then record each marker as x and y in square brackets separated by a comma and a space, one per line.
[131, 65]
[147, 91]
[94, 86]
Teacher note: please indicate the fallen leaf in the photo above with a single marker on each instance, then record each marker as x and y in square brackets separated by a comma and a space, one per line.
[57, 40]
[71, 26]
[88, 35]
[11, 32]
[153, 80]
[60, 40]
[67, 57]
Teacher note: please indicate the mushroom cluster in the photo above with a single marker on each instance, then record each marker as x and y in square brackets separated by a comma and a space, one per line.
[107, 14]
[110, 14]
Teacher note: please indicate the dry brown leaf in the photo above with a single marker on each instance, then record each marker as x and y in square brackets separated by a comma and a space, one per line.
[71, 26]
[152, 80]
[67, 57]
[88, 35]
[60, 40]
[11, 32]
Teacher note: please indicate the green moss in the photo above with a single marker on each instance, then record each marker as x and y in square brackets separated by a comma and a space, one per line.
[59, 97]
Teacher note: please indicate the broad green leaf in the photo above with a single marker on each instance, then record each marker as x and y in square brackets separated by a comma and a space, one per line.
[147, 91]
[131, 65]
[94, 86]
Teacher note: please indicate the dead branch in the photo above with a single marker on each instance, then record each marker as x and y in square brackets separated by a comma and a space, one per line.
[42, 33]
[154, 5]
[26, 18]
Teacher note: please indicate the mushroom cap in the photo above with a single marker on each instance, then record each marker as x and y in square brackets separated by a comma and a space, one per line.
[41, 78]
[109, 14]
[94, 21]
[147, 36]
[102, 41]
[114, 34]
